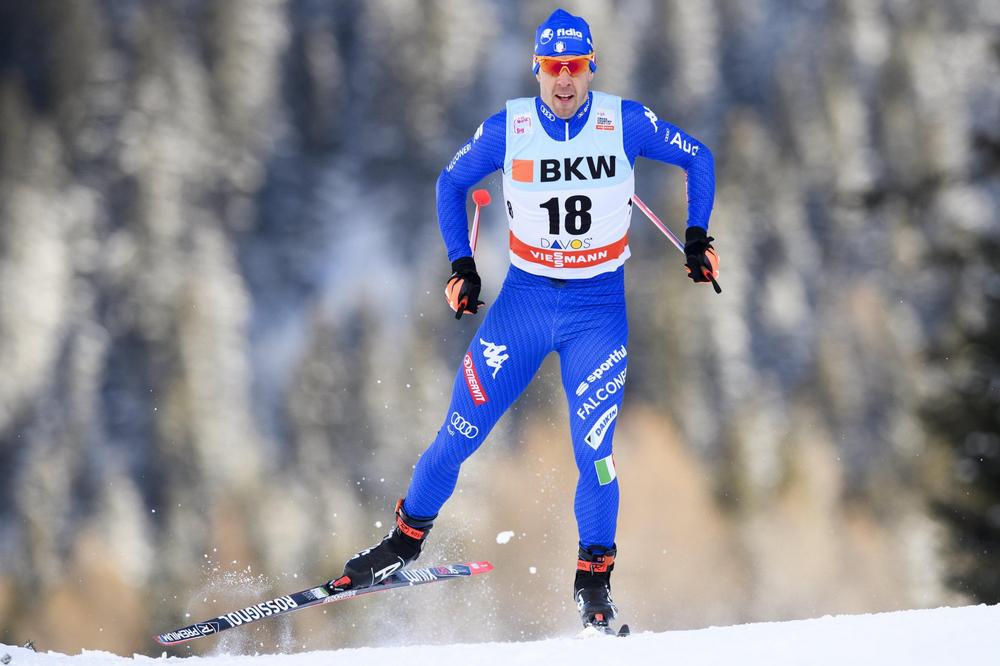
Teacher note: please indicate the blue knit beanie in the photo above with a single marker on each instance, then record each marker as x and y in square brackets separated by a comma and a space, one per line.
[563, 34]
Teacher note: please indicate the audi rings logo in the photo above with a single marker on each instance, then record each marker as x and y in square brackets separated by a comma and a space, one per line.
[459, 423]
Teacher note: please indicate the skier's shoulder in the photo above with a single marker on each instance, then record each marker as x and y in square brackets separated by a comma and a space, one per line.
[484, 151]
[634, 111]
[496, 123]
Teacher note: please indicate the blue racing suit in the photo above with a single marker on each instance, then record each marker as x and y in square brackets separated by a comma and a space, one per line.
[580, 316]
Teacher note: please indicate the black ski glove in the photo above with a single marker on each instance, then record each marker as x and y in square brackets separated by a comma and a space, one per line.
[462, 290]
[702, 260]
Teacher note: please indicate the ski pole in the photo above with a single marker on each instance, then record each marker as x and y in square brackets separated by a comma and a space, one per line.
[482, 198]
[667, 232]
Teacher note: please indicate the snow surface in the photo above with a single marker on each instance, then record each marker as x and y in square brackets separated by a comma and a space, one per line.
[939, 637]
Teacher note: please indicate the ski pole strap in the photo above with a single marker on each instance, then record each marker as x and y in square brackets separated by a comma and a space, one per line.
[411, 532]
[600, 564]
[411, 527]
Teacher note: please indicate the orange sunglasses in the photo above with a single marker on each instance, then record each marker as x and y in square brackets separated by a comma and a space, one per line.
[576, 65]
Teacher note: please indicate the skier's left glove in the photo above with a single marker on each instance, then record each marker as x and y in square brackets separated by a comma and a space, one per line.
[702, 261]
[462, 290]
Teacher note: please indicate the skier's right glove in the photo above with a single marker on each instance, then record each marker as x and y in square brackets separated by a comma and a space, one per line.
[462, 290]
[702, 261]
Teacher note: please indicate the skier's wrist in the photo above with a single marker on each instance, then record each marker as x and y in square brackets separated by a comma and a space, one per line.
[694, 233]
[463, 266]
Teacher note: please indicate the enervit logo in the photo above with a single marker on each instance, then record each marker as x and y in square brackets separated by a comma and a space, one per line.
[472, 380]
[494, 355]
[596, 435]
[462, 426]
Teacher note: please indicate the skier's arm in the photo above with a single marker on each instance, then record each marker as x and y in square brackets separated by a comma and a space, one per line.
[481, 155]
[647, 136]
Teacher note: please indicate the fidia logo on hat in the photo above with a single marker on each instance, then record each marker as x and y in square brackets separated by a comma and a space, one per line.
[563, 34]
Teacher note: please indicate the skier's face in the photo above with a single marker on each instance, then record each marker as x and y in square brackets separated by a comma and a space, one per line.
[564, 93]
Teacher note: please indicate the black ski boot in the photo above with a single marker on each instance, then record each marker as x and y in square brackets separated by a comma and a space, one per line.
[592, 588]
[398, 548]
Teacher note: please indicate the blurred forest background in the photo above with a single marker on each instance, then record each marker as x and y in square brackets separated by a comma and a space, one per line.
[224, 342]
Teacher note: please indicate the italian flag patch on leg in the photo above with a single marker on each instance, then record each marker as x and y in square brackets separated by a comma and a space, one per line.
[605, 470]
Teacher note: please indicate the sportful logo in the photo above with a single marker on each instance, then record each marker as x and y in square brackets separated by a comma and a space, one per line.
[494, 355]
[608, 363]
[598, 372]
[602, 394]
[546, 36]
[595, 437]
[472, 380]
[462, 426]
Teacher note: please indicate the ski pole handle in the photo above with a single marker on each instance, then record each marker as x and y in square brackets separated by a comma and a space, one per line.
[482, 198]
[667, 232]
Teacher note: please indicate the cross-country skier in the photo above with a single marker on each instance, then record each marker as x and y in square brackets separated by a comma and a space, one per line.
[567, 158]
